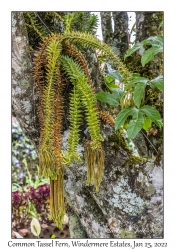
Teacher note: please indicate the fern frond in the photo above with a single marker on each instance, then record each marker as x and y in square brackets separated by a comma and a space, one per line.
[88, 98]
[75, 118]
[38, 75]
[106, 117]
[69, 20]
[89, 41]
[49, 163]
[72, 51]
[32, 24]
[57, 205]
[58, 120]
[92, 24]
[58, 16]
[95, 165]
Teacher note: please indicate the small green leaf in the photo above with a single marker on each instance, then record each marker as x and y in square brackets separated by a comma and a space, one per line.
[147, 124]
[122, 116]
[135, 126]
[153, 114]
[149, 55]
[139, 93]
[112, 85]
[132, 50]
[158, 82]
[107, 98]
[109, 79]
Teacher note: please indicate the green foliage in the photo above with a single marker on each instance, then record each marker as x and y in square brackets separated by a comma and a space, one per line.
[77, 77]
[157, 82]
[147, 124]
[60, 60]
[149, 55]
[84, 23]
[69, 21]
[137, 119]
[34, 25]
[46, 154]
[157, 46]
[107, 98]
[139, 93]
[75, 119]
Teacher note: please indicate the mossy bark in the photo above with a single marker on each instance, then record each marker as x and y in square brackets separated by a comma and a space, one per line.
[129, 201]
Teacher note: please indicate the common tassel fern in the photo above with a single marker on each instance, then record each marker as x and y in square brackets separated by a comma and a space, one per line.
[57, 53]
[77, 77]
[75, 119]
[89, 41]
[49, 166]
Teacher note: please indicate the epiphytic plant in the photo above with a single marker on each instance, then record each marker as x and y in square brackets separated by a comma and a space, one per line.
[59, 56]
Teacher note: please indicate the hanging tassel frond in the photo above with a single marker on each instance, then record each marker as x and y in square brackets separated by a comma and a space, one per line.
[57, 205]
[88, 98]
[106, 117]
[75, 119]
[95, 165]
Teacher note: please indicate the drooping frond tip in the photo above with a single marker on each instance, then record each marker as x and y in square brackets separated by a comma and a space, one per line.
[95, 165]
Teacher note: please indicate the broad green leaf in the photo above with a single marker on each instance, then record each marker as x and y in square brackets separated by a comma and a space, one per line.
[107, 98]
[149, 55]
[116, 75]
[138, 93]
[135, 80]
[118, 93]
[156, 41]
[153, 114]
[158, 82]
[122, 116]
[132, 50]
[147, 124]
[135, 126]
[129, 85]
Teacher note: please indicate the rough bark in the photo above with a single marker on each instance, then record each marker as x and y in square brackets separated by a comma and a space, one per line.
[24, 96]
[118, 38]
[129, 203]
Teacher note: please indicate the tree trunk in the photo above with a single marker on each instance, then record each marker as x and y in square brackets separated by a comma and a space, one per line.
[118, 38]
[129, 202]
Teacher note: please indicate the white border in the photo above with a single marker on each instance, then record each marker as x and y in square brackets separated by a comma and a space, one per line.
[5, 97]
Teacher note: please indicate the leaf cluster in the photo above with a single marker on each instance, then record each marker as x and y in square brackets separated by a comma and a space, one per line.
[156, 43]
